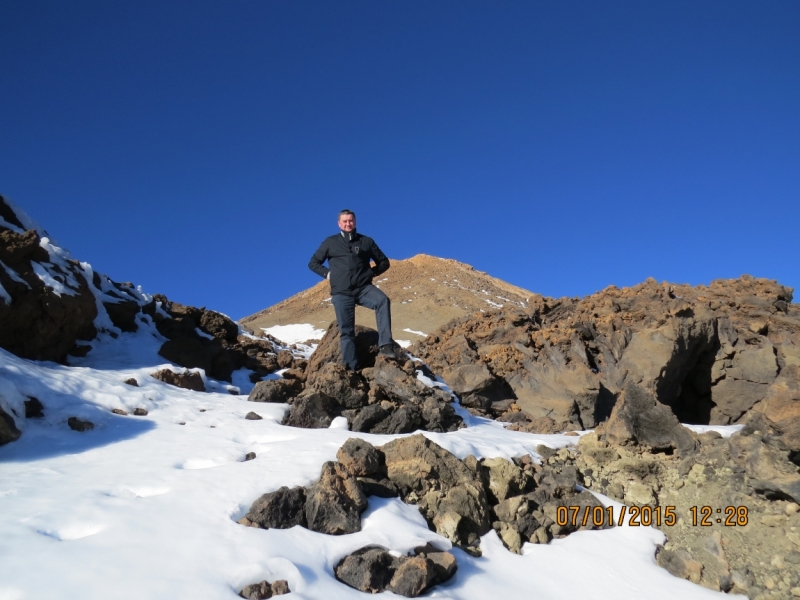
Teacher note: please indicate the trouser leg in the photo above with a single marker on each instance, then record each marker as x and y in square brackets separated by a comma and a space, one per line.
[345, 307]
[372, 297]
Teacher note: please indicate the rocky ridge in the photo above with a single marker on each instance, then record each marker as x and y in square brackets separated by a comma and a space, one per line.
[711, 353]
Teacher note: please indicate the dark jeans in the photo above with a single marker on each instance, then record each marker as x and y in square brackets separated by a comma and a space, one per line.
[345, 306]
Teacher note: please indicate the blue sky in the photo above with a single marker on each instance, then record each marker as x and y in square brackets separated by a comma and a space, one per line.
[202, 149]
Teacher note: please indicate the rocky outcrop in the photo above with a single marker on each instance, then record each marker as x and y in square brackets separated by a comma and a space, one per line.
[373, 569]
[710, 353]
[46, 303]
[729, 507]
[208, 340]
[460, 500]
[385, 396]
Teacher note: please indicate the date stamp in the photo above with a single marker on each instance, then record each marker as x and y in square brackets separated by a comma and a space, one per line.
[645, 516]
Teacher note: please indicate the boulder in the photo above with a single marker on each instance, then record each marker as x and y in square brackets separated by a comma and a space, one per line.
[373, 569]
[275, 390]
[346, 387]
[335, 502]
[77, 424]
[359, 457]
[640, 419]
[281, 509]
[311, 410]
[8, 428]
[329, 350]
[186, 380]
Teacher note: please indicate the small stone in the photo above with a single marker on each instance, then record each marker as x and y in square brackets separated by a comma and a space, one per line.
[119, 411]
[252, 416]
[249, 456]
[233, 391]
[182, 423]
[140, 412]
[777, 561]
[77, 425]
[794, 537]
[792, 508]
[795, 591]
[280, 587]
[132, 381]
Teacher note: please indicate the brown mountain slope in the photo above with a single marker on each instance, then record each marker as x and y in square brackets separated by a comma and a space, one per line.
[426, 293]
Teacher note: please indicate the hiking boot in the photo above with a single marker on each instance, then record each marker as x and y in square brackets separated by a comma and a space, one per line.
[388, 351]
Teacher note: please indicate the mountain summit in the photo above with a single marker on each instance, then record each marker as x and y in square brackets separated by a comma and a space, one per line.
[426, 292]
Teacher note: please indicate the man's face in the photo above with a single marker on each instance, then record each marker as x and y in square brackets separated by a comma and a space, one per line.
[347, 223]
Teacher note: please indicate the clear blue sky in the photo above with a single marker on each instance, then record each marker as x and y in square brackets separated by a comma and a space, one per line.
[202, 149]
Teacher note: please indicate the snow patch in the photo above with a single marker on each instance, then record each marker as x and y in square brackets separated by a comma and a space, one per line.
[292, 334]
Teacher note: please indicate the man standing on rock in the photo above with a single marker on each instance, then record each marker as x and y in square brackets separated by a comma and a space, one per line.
[350, 274]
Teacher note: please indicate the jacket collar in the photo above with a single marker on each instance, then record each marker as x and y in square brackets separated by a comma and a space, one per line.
[353, 235]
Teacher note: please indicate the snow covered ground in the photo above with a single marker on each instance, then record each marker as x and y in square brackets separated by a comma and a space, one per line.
[146, 507]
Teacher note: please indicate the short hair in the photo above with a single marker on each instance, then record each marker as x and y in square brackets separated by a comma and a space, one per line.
[346, 211]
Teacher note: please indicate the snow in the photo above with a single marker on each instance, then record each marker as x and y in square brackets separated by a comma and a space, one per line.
[415, 332]
[292, 334]
[146, 507]
[725, 431]
[4, 295]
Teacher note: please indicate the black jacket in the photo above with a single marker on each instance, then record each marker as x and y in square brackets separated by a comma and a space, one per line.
[348, 258]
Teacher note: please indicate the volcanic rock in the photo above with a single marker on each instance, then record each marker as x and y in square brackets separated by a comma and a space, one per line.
[373, 569]
[253, 416]
[281, 509]
[186, 380]
[335, 502]
[77, 424]
[710, 353]
[311, 410]
[275, 390]
[8, 428]
[265, 589]
[329, 350]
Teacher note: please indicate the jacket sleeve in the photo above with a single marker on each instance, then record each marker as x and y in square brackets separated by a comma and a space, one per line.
[381, 262]
[319, 257]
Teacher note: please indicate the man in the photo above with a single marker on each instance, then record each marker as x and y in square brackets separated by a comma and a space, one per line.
[350, 274]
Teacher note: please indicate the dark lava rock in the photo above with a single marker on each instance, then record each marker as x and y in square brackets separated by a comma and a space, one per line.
[187, 380]
[359, 457]
[132, 381]
[140, 412]
[311, 411]
[249, 456]
[335, 502]
[265, 589]
[373, 569]
[368, 569]
[281, 509]
[252, 416]
[119, 411]
[33, 408]
[8, 428]
[77, 425]
[329, 350]
[275, 390]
